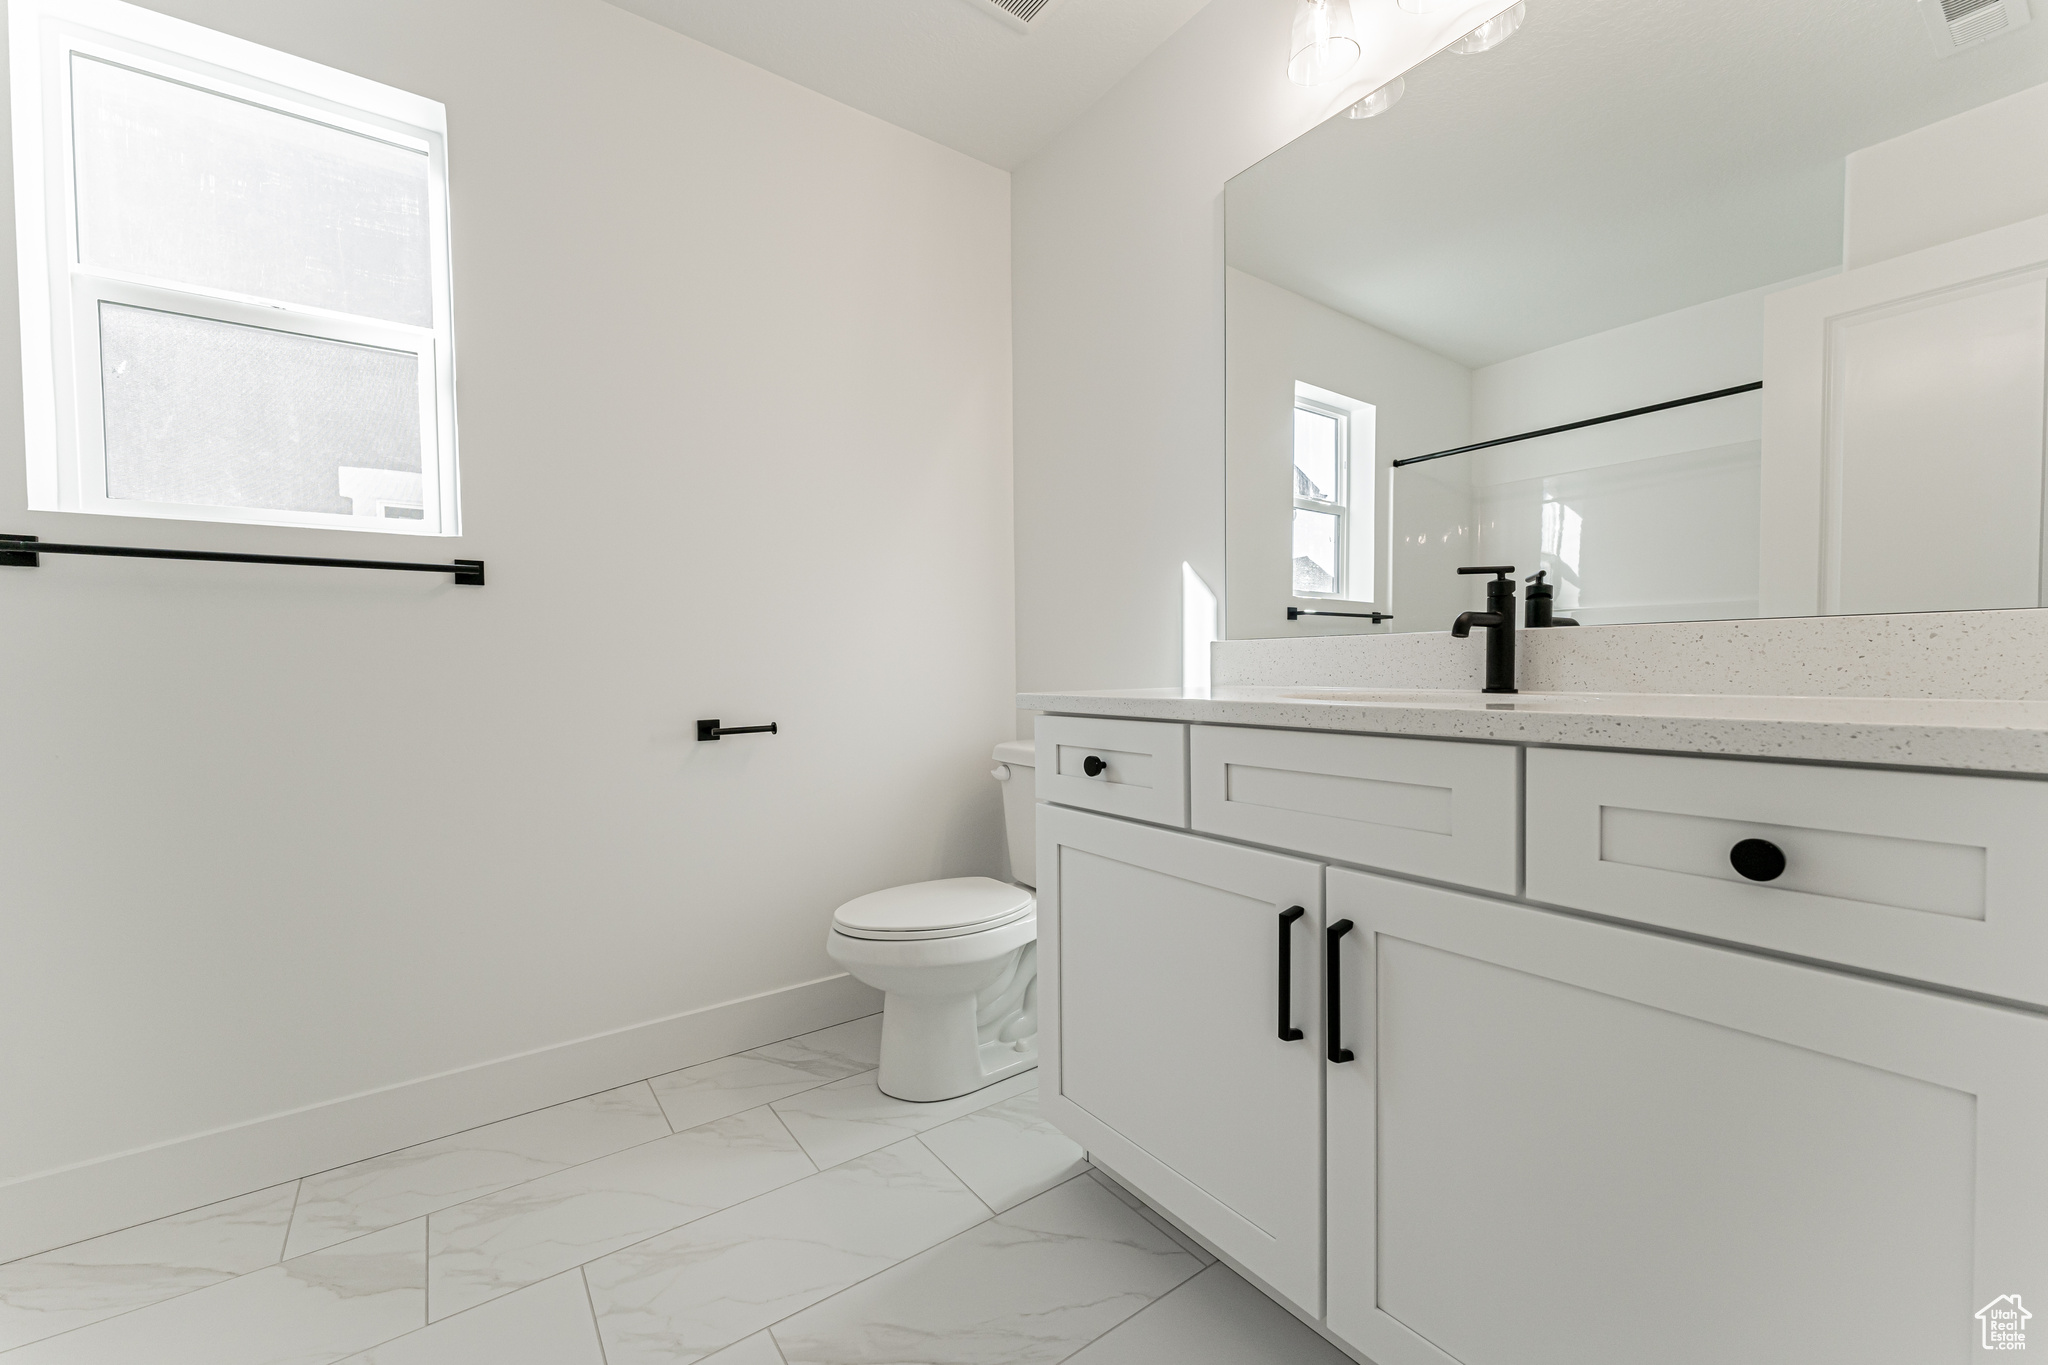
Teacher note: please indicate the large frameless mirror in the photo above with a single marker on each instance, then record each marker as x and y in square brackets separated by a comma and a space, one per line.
[1811, 239]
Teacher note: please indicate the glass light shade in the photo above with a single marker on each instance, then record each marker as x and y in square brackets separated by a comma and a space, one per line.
[1419, 6]
[1325, 42]
[1493, 32]
[1380, 100]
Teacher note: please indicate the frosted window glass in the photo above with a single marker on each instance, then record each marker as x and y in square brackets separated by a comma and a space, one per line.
[215, 414]
[184, 185]
[1315, 553]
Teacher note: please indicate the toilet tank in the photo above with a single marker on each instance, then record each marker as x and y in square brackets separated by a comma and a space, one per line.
[1016, 769]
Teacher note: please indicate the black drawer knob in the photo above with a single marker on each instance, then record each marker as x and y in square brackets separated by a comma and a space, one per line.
[1760, 860]
[1093, 766]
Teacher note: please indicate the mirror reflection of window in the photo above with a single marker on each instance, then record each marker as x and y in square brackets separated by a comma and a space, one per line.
[1334, 478]
[1562, 529]
[1317, 562]
[1320, 455]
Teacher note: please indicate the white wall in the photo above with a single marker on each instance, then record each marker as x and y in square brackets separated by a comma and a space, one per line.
[1120, 332]
[1668, 501]
[1968, 174]
[1421, 400]
[735, 403]
[1714, 345]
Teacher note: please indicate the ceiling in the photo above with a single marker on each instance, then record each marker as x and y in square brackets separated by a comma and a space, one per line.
[944, 68]
[1615, 160]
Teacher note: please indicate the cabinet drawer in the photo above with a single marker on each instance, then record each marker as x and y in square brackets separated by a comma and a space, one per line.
[1424, 807]
[1927, 876]
[1140, 767]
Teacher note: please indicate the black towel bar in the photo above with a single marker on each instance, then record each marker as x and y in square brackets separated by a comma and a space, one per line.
[23, 552]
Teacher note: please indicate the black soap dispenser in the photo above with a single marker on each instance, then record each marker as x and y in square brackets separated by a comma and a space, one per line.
[1542, 598]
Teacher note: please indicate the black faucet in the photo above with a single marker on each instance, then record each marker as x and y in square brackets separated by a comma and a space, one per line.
[1542, 597]
[1498, 621]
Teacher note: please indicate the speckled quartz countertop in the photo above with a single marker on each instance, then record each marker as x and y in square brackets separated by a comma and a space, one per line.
[1985, 736]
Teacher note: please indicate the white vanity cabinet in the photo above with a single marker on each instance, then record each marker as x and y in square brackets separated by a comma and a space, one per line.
[1163, 1055]
[1510, 1134]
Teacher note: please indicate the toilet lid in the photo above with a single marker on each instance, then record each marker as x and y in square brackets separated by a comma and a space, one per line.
[956, 905]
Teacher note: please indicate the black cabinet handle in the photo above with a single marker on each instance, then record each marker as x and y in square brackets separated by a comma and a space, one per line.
[1333, 1009]
[1760, 860]
[1288, 1032]
[1093, 766]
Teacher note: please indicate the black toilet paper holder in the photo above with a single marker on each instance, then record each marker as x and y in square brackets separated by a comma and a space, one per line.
[711, 729]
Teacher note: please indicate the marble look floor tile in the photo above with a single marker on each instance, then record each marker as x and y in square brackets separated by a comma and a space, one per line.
[850, 1047]
[385, 1190]
[731, 1085]
[1028, 1287]
[851, 1118]
[1214, 1319]
[543, 1324]
[122, 1271]
[686, 1294]
[1187, 1243]
[758, 1349]
[1006, 1153]
[699, 1094]
[516, 1237]
[309, 1311]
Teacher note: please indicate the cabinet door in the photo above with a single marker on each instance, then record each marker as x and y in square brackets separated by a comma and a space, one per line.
[1569, 1143]
[1160, 957]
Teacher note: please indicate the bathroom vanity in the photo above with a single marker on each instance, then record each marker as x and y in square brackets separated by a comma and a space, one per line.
[1519, 1029]
[1597, 1024]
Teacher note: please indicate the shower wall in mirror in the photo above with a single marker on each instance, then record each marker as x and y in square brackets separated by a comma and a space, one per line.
[1633, 202]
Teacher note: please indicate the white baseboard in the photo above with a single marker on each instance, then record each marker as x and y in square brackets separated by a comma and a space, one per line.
[56, 1208]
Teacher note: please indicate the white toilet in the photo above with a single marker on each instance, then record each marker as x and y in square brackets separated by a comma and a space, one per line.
[957, 961]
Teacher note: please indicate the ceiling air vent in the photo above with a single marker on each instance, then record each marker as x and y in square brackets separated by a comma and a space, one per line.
[1957, 24]
[1025, 15]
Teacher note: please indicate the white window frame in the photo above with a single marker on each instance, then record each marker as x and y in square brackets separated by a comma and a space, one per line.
[60, 298]
[1363, 561]
[1340, 508]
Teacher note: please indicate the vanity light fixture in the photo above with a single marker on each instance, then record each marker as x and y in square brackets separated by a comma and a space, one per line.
[1493, 32]
[1325, 42]
[1380, 100]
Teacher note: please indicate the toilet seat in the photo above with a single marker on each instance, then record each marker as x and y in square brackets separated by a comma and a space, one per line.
[949, 908]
